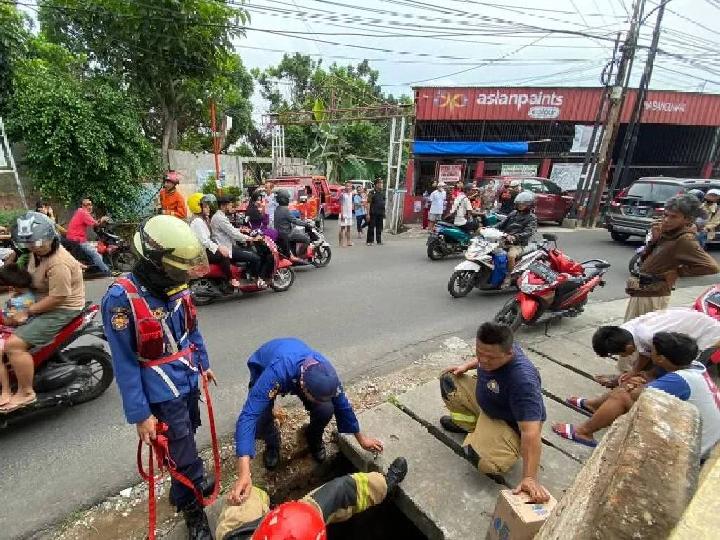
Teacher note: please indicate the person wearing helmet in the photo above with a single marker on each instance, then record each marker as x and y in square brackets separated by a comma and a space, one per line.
[203, 206]
[158, 363]
[290, 366]
[712, 215]
[285, 225]
[507, 197]
[58, 283]
[77, 232]
[519, 225]
[172, 203]
[231, 238]
[333, 502]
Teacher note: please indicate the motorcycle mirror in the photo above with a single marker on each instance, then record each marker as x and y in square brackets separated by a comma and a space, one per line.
[302, 199]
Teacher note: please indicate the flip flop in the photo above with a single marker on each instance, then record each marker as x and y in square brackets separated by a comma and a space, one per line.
[6, 410]
[608, 381]
[578, 403]
[567, 431]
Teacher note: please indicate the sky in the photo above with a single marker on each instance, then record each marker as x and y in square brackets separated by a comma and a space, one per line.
[466, 43]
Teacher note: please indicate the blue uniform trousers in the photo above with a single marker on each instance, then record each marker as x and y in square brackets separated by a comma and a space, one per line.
[182, 415]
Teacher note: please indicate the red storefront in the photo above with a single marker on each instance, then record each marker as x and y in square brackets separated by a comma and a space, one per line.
[678, 135]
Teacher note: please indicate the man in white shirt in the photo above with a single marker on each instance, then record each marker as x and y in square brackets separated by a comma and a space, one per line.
[437, 204]
[345, 218]
[632, 341]
[462, 207]
[270, 202]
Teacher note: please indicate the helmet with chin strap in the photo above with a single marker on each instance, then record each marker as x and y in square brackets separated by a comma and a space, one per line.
[34, 229]
[526, 198]
[295, 520]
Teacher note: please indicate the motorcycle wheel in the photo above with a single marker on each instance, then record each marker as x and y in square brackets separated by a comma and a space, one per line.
[101, 370]
[123, 261]
[196, 288]
[509, 315]
[435, 252]
[634, 264]
[461, 283]
[321, 257]
[282, 279]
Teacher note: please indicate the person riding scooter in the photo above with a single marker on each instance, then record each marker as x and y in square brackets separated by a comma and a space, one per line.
[285, 223]
[507, 196]
[463, 210]
[519, 226]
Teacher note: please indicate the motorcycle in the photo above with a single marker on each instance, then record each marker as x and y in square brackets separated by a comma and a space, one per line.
[709, 304]
[318, 252]
[67, 374]
[446, 239]
[116, 252]
[485, 264]
[215, 285]
[548, 293]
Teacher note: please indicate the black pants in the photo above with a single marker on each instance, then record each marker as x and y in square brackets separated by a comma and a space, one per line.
[375, 227]
[245, 255]
[361, 222]
[320, 416]
[182, 415]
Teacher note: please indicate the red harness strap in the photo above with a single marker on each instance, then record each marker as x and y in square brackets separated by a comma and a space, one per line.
[160, 451]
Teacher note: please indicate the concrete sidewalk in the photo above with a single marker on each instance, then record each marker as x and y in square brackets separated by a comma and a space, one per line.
[444, 495]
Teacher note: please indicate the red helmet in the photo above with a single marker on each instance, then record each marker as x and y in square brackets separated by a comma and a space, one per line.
[294, 520]
[172, 176]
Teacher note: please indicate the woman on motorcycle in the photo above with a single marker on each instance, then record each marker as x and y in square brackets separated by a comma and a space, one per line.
[285, 224]
[203, 206]
[257, 219]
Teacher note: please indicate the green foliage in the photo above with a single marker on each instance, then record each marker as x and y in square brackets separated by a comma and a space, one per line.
[171, 53]
[82, 135]
[13, 36]
[9, 217]
[211, 187]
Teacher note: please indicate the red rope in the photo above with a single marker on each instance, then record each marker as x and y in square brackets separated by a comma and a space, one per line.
[160, 450]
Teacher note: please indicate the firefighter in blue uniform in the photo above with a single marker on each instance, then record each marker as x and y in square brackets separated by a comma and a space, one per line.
[289, 366]
[158, 352]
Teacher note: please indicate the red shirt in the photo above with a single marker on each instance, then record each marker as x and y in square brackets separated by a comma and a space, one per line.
[77, 228]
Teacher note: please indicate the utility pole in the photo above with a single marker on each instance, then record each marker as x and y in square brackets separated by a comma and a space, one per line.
[617, 100]
[633, 129]
[216, 145]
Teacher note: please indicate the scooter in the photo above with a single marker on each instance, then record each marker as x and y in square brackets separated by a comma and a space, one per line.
[446, 239]
[318, 252]
[485, 264]
[115, 251]
[67, 374]
[547, 294]
[214, 285]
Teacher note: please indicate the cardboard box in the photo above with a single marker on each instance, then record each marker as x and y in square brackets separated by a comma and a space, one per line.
[516, 518]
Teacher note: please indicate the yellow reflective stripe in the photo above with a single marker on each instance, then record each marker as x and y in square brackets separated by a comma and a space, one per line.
[263, 496]
[362, 488]
[459, 417]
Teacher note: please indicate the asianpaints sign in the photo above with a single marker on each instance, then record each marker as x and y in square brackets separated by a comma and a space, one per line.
[539, 105]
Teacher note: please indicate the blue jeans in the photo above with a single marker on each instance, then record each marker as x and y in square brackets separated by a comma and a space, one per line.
[702, 237]
[93, 256]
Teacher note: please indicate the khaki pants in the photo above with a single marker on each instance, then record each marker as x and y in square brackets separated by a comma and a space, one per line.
[497, 444]
[337, 500]
[640, 305]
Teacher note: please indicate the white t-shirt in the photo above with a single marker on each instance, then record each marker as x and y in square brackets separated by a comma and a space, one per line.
[437, 201]
[346, 204]
[461, 207]
[702, 328]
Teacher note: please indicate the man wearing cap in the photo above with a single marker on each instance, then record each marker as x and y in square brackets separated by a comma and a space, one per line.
[289, 366]
[437, 204]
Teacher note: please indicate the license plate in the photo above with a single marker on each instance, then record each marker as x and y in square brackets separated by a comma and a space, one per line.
[641, 212]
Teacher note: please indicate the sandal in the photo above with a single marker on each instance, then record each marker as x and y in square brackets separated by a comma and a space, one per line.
[578, 404]
[8, 409]
[567, 431]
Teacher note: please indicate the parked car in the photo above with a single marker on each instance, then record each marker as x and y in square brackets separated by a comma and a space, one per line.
[367, 184]
[632, 212]
[551, 203]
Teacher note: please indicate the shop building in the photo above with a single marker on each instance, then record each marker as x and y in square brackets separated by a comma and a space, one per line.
[473, 133]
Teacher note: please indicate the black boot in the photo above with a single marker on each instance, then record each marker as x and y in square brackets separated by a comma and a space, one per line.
[395, 474]
[196, 522]
[271, 457]
[316, 446]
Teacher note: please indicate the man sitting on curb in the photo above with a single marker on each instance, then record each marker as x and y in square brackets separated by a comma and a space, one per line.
[333, 502]
[632, 341]
[684, 378]
[500, 408]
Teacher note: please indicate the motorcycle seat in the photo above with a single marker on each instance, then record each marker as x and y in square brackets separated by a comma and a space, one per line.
[446, 224]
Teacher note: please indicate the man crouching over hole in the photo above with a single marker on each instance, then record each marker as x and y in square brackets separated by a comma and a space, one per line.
[500, 408]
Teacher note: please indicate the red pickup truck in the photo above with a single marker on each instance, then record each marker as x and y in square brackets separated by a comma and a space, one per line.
[317, 192]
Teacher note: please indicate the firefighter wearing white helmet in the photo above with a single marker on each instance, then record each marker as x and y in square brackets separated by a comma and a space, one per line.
[520, 225]
[712, 213]
[158, 352]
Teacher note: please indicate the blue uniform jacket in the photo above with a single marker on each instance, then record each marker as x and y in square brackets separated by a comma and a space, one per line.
[141, 386]
[275, 370]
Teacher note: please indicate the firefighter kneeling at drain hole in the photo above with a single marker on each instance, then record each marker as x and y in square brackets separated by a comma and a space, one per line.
[159, 354]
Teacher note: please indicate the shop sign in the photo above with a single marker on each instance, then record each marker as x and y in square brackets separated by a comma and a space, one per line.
[566, 175]
[518, 169]
[450, 174]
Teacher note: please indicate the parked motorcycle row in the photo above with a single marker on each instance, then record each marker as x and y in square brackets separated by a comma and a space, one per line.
[548, 284]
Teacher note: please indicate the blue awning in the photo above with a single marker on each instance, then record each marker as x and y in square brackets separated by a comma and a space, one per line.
[469, 148]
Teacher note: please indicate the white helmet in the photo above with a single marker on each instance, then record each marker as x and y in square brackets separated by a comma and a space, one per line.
[525, 197]
[515, 183]
[713, 191]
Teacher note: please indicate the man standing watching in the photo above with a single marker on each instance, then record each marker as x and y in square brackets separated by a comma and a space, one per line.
[345, 218]
[172, 203]
[77, 232]
[437, 205]
[270, 202]
[672, 251]
[376, 213]
[500, 408]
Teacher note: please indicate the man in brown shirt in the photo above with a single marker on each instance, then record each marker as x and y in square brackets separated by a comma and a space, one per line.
[58, 282]
[672, 251]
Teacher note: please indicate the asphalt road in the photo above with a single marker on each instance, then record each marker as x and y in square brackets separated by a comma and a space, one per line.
[367, 304]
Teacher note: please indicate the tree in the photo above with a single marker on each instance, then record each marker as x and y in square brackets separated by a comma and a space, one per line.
[170, 53]
[13, 35]
[82, 134]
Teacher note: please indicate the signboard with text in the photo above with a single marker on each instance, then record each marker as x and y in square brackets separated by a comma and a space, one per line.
[566, 175]
[450, 174]
[518, 169]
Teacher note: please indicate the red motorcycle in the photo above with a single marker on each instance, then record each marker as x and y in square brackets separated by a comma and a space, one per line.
[551, 290]
[215, 285]
[67, 374]
[709, 304]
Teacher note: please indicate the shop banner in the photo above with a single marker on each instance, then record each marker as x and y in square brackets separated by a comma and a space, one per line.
[566, 175]
[581, 141]
[518, 169]
[450, 174]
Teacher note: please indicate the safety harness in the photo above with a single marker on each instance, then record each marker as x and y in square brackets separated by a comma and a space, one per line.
[150, 336]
